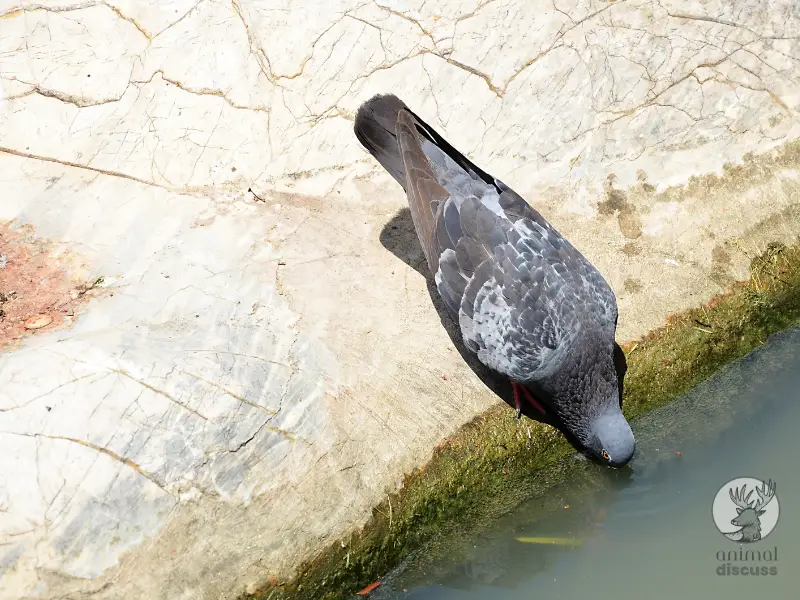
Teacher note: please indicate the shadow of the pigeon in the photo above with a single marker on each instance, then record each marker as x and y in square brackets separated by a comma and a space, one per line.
[400, 238]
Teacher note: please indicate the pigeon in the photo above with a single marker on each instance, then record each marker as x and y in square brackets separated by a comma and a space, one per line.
[527, 303]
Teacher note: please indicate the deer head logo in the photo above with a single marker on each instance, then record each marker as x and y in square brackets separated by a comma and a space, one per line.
[742, 518]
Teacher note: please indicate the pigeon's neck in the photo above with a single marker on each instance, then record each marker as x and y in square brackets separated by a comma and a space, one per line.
[587, 371]
[590, 348]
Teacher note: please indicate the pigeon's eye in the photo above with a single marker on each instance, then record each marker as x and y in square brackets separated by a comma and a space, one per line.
[606, 456]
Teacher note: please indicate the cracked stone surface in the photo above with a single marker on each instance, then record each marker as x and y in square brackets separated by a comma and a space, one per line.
[260, 370]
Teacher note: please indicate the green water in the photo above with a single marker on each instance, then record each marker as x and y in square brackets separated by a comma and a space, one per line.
[647, 531]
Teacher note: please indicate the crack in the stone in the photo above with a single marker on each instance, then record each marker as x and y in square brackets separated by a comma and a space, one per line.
[255, 49]
[232, 394]
[267, 427]
[47, 393]
[78, 101]
[179, 19]
[130, 20]
[727, 23]
[14, 10]
[475, 11]
[166, 395]
[261, 358]
[102, 450]
[266, 65]
[378, 29]
[68, 163]
[498, 91]
[410, 19]
[464, 67]
[202, 91]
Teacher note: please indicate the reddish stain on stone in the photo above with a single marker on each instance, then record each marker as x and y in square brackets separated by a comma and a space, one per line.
[38, 321]
[36, 294]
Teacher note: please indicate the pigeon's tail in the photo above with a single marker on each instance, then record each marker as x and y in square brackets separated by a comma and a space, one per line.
[376, 125]
[376, 121]
[404, 145]
[393, 135]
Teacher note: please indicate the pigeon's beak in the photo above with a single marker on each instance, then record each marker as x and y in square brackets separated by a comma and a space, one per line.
[624, 461]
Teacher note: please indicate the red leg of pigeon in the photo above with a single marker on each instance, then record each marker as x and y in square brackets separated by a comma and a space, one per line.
[517, 388]
[528, 396]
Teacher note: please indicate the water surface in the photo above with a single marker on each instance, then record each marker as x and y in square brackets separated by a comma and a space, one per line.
[647, 531]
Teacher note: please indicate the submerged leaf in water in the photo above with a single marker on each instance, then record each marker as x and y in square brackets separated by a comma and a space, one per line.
[369, 588]
[557, 541]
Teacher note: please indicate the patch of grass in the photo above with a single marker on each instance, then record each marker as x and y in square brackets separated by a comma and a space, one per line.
[696, 343]
[487, 468]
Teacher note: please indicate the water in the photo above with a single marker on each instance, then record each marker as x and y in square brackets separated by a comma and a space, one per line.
[648, 531]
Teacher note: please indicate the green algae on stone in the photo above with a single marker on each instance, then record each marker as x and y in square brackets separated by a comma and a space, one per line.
[753, 170]
[487, 467]
[694, 344]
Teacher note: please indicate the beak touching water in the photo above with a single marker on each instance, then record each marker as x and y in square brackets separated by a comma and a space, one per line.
[613, 441]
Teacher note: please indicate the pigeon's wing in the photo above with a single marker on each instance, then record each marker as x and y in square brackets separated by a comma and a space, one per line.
[529, 299]
[425, 194]
[519, 290]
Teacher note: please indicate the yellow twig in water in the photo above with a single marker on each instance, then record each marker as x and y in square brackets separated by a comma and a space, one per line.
[556, 541]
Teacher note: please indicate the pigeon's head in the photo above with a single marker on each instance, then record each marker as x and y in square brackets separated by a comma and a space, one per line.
[610, 439]
[585, 395]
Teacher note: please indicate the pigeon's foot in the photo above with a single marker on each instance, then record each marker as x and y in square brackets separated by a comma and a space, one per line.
[517, 401]
[521, 390]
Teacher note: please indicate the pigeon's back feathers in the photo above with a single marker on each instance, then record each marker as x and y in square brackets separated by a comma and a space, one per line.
[522, 293]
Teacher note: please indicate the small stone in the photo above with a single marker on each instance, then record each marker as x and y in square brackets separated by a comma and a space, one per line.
[38, 322]
[251, 588]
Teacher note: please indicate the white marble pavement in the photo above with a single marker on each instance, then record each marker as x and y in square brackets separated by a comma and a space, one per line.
[260, 370]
